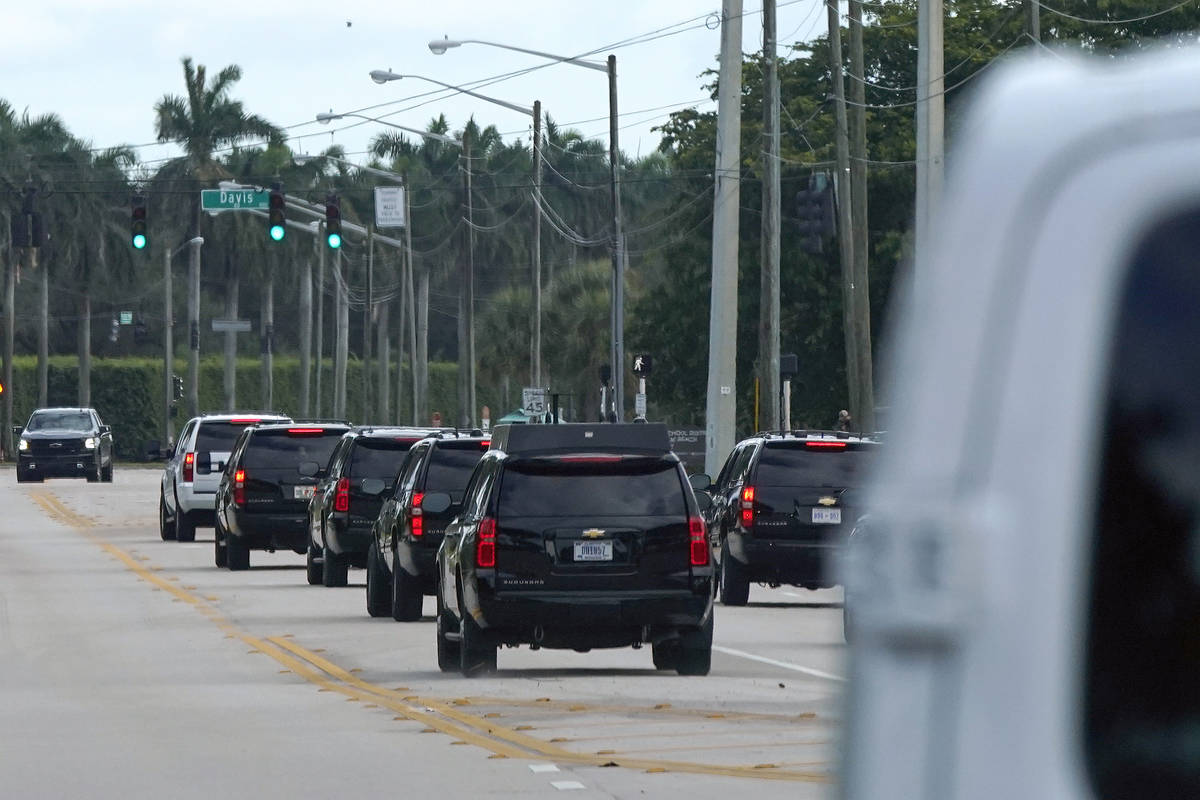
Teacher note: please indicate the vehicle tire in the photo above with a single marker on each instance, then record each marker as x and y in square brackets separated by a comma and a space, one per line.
[23, 476]
[237, 554]
[185, 526]
[220, 552]
[106, 473]
[695, 650]
[93, 475]
[448, 654]
[735, 586]
[165, 529]
[477, 656]
[314, 566]
[379, 595]
[407, 597]
[666, 655]
[334, 568]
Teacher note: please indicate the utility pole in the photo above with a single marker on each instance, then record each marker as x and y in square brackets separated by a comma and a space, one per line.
[418, 369]
[194, 317]
[768, 326]
[422, 349]
[721, 403]
[402, 329]
[341, 351]
[320, 319]
[536, 359]
[618, 252]
[860, 275]
[845, 234]
[168, 349]
[231, 312]
[306, 326]
[1033, 20]
[43, 365]
[931, 153]
[367, 403]
[10, 330]
[466, 327]
[383, 359]
[267, 335]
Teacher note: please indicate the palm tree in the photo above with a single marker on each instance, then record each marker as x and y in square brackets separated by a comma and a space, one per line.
[203, 121]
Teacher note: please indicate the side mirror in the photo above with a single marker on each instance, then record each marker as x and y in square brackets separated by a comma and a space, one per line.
[204, 463]
[105, 429]
[700, 482]
[372, 486]
[308, 469]
[18, 430]
[704, 501]
[435, 502]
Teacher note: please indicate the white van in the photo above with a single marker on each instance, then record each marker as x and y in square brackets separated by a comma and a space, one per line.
[1027, 596]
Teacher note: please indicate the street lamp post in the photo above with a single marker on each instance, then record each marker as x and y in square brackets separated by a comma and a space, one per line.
[617, 315]
[169, 336]
[384, 76]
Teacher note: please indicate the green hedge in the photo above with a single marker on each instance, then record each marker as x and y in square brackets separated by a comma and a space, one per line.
[128, 392]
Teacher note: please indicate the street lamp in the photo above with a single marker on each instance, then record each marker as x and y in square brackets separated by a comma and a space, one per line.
[384, 76]
[617, 317]
[169, 335]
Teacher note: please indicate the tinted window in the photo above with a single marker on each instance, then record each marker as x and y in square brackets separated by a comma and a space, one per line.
[806, 466]
[450, 468]
[378, 458]
[60, 421]
[1142, 695]
[217, 437]
[553, 487]
[271, 450]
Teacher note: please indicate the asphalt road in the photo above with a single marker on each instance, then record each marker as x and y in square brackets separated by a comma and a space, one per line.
[132, 667]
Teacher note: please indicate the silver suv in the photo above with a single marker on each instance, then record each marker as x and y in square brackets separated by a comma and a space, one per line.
[193, 471]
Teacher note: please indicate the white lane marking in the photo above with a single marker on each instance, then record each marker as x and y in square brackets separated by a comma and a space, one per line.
[543, 768]
[563, 786]
[816, 673]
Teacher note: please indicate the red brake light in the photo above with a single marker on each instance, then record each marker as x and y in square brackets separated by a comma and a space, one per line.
[834, 445]
[418, 522]
[341, 495]
[189, 466]
[245, 421]
[305, 431]
[485, 444]
[747, 506]
[697, 542]
[485, 545]
[239, 487]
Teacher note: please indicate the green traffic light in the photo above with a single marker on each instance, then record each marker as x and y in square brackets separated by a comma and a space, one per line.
[139, 241]
[335, 240]
[277, 233]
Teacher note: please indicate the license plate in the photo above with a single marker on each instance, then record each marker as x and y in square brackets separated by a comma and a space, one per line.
[827, 516]
[594, 551]
[303, 492]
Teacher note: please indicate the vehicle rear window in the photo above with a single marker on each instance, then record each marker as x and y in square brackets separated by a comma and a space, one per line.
[217, 437]
[558, 487]
[279, 450]
[450, 468]
[378, 458]
[60, 421]
[809, 466]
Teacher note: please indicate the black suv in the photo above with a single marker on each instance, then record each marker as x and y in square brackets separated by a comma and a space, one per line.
[400, 564]
[782, 507]
[576, 536]
[64, 443]
[271, 475]
[363, 466]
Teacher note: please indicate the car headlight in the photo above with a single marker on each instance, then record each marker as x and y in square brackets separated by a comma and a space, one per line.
[90, 443]
[23, 445]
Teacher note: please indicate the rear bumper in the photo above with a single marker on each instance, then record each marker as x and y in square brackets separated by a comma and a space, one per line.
[69, 466]
[271, 531]
[346, 538]
[782, 561]
[191, 501]
[420, 559]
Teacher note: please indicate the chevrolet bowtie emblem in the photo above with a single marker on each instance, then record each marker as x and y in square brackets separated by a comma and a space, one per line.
[828, 501]
[593, 533]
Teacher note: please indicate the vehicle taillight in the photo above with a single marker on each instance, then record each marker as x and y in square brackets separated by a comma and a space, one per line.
[698, 542]
[239, 488]
[341, 495]
[485, 444]
[418, 523]
[827, 445]
[245, 421]
[189, 466]
[305, 431]
[747, 506]
[485, 545]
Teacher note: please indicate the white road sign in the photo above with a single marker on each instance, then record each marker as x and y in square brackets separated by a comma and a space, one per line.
[389, 206]
[533, 400]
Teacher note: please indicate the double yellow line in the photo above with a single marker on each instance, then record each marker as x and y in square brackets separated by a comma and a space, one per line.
[436, 715]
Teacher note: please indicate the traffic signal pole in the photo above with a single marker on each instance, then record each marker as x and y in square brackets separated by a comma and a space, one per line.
[168, 348]
[769, 313]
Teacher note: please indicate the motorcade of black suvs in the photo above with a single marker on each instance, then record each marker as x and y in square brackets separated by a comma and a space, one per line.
[401, 566]
[188, 489]
[262, 500]
[782, 507]
[346, 502]
[576, 536]
[64, 443]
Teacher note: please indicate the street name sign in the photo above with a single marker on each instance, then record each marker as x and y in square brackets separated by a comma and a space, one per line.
[214, 200]
[231, 325]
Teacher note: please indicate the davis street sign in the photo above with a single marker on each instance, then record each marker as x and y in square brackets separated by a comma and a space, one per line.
[213, 200]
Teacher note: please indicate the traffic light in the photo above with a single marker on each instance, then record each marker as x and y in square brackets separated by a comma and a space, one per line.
[333, 221]
[137, 223]
[815, 210]
[177, 386]
[275, 217]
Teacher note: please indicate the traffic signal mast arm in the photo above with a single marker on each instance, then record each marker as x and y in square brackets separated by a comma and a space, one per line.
[317, 213]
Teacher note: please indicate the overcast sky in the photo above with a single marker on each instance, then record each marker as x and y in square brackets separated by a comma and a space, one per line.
[102, 64]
